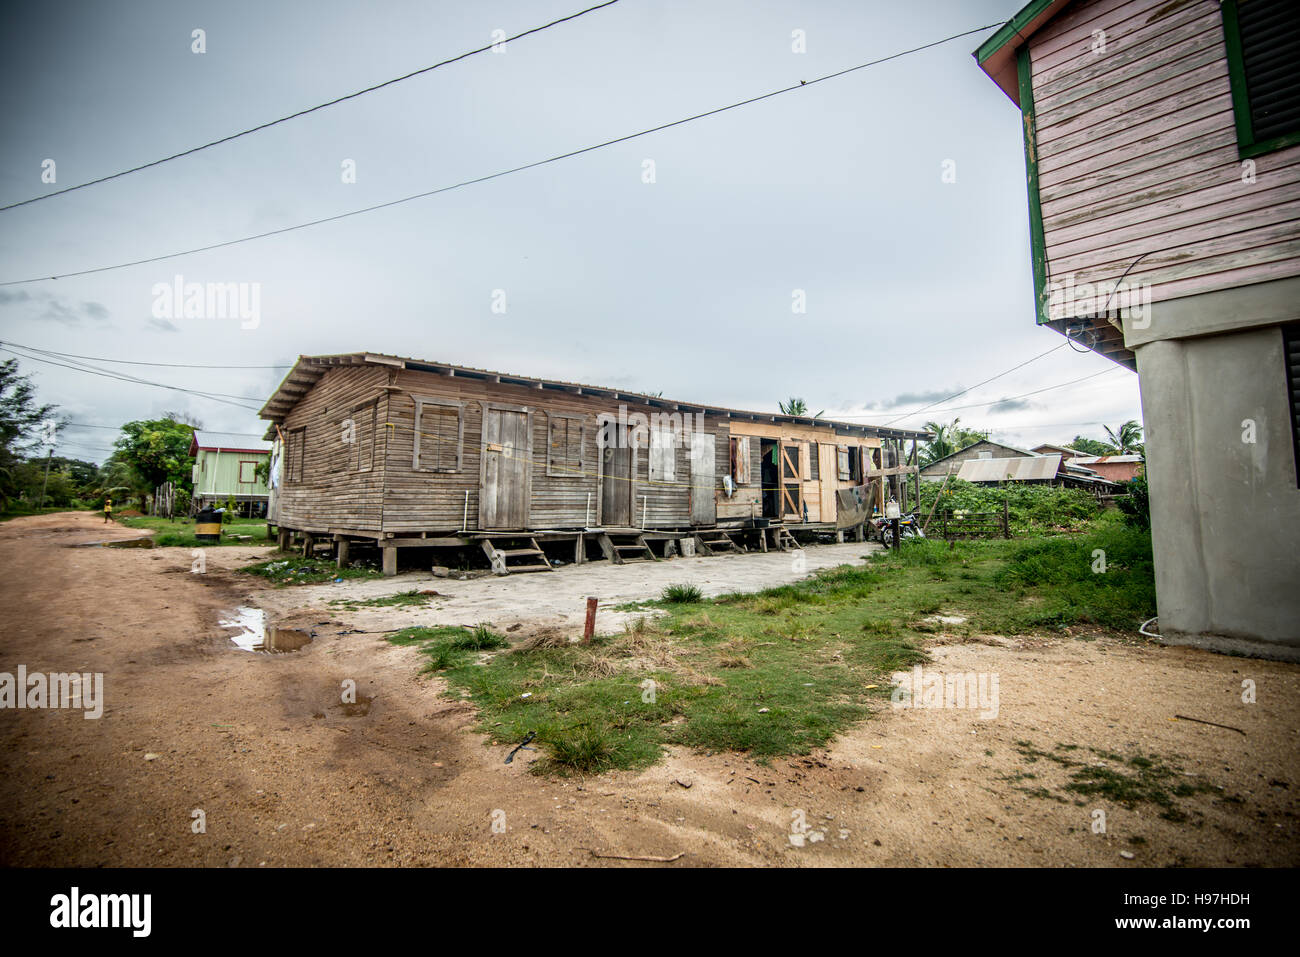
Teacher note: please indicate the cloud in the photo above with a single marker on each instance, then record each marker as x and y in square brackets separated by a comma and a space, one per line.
[920, 398]
[57, 309]
[1010, 405]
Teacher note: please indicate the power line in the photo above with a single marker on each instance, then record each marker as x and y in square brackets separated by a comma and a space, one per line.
[491, 176]
[300, 113]
[1005, 398]
[77, 363]
[924, 408]
[137, 362]
[135, 381]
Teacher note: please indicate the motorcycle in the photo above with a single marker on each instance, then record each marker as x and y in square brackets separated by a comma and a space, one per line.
[909, 526]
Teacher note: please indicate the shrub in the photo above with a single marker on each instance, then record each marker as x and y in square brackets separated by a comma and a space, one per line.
[682, 594]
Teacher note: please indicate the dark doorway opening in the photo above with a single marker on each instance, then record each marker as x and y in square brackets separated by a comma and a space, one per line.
[770, 476]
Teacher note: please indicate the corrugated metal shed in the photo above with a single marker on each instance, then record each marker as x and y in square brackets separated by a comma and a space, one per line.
[1033, 468]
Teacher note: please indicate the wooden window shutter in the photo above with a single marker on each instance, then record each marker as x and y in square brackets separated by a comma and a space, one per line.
[742, 460]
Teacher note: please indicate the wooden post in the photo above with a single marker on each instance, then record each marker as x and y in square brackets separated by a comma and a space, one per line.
[1006, 518]
[589, 628]
[308, 543]
[943, 523]
[343, 553]
[390, 561]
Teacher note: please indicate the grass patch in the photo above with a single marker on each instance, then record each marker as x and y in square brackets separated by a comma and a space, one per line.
[306, 571]
[783, 670]
[682, 594]
[400, 600]
[1127, 780]
[179, 533]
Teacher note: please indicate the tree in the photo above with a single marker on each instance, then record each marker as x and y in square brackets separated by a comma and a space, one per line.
[1089, 446]
[21, 424]
[797, 406]
[948, 438]
[1127, 440]
[157, 450]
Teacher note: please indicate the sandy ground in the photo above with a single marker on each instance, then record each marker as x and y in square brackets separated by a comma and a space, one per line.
[283, 773]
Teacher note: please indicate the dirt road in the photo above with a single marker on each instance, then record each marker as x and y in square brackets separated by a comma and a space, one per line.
[282, 773]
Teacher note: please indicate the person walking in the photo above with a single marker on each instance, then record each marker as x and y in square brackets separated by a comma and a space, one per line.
[108, 510]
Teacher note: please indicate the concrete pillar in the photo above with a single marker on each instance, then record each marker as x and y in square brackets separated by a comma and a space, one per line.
[1225, 510]
[308, 541]
[390, 561]
[343, 553]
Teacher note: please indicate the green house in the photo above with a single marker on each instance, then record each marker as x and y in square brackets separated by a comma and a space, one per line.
[225, 468]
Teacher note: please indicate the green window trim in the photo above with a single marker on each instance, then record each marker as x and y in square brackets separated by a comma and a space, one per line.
[1037, 242]
[1247, 147]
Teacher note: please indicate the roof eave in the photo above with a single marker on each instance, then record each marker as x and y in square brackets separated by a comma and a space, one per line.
[996, 56]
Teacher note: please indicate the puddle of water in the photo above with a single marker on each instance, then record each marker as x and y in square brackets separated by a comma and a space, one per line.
[252, 634]
[131, 543]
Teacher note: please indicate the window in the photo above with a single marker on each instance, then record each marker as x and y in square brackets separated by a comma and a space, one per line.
[439, 435]
[1263, 45]
[247, 471]
[740, 459]
[1291, 360]
[842, 463]
[365, 430]
[814, 462]
[566, 443]
[295, 450]
[663, 455]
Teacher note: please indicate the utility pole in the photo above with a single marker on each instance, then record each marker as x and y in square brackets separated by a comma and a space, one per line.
[46, 483]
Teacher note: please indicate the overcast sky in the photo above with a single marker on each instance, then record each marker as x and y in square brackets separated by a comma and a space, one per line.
[915, 288]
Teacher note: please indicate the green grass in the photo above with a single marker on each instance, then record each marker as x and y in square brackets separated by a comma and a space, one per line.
[682, 594]
[296, 570]
[783, 670]
[1126, 780]
[179, 533]
[23, 510]
[402, 599]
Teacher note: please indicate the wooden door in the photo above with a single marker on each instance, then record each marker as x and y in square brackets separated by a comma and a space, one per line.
[829, 476]
[616, 485]
[791, 483]
[507, 451]
[704, 504]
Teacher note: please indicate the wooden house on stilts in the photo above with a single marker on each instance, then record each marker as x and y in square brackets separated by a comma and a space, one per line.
[402, 453]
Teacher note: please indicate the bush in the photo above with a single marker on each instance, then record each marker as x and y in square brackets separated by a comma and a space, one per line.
[682, 594]
[1136, 505]
[1030, 506]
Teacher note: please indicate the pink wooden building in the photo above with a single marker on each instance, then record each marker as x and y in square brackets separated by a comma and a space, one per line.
[1162, 151]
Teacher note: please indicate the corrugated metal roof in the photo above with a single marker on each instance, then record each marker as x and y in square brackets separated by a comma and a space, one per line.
[305, 373]
[203, 439]
[1029, 468]
[1103, 459]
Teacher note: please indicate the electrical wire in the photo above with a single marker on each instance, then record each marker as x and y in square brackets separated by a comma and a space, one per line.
[925, 408]
[131, 379]
[300, 113]
[802, 84]
[1008, 398]
[138, 362]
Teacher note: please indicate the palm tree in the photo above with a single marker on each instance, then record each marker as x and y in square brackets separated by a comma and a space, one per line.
[948, 439]
[1126, 440]
[941, 445]
[797, 406]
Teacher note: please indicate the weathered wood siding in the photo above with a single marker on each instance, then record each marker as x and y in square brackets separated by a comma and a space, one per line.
[330, 485]
[1137, 153]
[324, 490]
